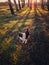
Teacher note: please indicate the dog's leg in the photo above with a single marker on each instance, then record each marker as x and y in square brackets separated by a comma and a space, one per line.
[25, 41]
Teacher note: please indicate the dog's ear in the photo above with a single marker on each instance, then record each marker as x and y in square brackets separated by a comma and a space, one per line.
[20, 34]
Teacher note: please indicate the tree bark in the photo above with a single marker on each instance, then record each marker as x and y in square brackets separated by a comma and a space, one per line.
[19, 4]
[16, 5]
[11, 9]
[42, 4]
[48, 4]
[23, 3]
[28, 3]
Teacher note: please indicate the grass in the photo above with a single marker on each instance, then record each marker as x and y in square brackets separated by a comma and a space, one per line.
[10, 51]
[13, 52]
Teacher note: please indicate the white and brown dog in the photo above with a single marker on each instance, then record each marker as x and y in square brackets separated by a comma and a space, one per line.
[24, 36]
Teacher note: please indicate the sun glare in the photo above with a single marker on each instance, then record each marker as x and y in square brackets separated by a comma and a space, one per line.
[3, 0]
[35, 0]
[38, 0]
[17, 1]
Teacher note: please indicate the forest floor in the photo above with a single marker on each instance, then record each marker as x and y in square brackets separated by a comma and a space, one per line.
[36, 51]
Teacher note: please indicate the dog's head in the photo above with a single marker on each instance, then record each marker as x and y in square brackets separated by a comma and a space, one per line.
[20, 35]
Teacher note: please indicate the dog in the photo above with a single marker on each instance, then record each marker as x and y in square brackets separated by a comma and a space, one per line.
[24, 36]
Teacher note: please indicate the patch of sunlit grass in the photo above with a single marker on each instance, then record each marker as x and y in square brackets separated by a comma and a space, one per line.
[7, 26]
[5, 43]
[19, 24]
[15, 55]
[3, 7]
[7, 40]
[18, 48]
[31, 12]
[15, 30]
[23, 12]
[28, 22]
[4, 10]
[17, 27]
[2, 31]
[10, 24]
[38, 13]
[42, 10]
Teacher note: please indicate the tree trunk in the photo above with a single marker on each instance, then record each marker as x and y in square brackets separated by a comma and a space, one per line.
[42, 4]
[19, 4]
[28, 3]
[16, 5]
[48, 4]
[11, 9]
[23, 3]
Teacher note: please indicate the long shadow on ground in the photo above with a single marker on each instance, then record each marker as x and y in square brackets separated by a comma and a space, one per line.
[6, 55]
[39, 53]
[36, 52]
